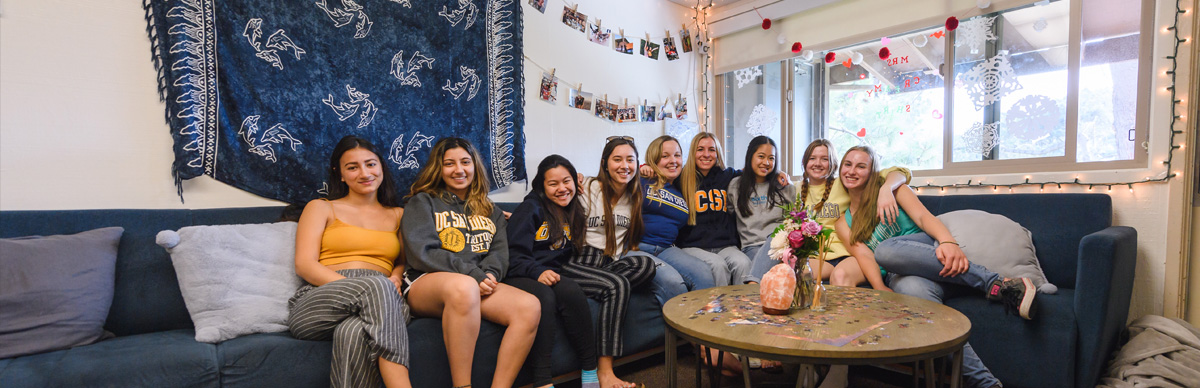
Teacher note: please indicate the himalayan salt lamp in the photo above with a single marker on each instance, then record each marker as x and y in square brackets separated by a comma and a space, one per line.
[777, 289]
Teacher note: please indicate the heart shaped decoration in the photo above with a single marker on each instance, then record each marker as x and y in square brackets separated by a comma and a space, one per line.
[848, 64]
[901, 133]
[885, 41]
[862, 132]
[937, 115]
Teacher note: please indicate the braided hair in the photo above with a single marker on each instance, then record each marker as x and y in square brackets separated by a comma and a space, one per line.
[833, 166]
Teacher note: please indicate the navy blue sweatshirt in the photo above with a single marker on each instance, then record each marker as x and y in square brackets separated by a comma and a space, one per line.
[664, 212]
[716, 225]
[530, 251]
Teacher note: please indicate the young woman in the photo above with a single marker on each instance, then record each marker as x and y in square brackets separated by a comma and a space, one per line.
[456, 241]
[607, 267]
[543, 233]
[711, 231]
[665, 211]
[348, 249]
[825, 198]
[756, 197]
[918, 246]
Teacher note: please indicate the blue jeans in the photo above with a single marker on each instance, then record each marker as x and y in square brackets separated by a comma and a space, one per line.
[914, 255]
[677, 272]
[761, 263]
[728, 264]
[975, 374]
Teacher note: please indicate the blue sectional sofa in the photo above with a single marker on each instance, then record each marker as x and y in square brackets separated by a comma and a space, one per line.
[1091, 262]
[155, 346]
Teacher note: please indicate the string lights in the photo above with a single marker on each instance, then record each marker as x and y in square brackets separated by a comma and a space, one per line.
[1168, 173]
[705, 41]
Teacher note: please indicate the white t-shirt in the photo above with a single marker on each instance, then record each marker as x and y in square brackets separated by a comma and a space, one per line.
[593, 201]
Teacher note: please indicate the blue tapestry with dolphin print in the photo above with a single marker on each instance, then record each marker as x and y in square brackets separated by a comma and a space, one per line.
[259, 92]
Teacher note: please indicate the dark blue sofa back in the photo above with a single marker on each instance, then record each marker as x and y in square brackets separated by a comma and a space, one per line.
[146, 297]
[1058, 223]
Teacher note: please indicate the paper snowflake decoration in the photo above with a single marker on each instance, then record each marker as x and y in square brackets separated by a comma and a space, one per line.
[762, 121]
[1040, 24]
[981, 138]
[680, 129]
[747, 75]
[1032, 118]
[990, 80]
[974, 32]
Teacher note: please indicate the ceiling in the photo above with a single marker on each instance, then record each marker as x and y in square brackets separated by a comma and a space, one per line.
[715, 3]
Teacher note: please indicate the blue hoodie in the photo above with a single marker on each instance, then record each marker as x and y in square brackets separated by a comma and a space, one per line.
[664, 212]
[529, 250]
[716, 225]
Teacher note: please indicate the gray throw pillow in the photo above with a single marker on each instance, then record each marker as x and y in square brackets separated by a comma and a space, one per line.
[235, 279]
[55, 291]
[999, 244]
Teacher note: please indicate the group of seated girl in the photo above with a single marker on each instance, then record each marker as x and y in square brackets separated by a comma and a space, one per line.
[446, 251]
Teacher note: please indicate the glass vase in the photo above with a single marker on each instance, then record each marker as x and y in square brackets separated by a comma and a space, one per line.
[819, 299]
[805, 284]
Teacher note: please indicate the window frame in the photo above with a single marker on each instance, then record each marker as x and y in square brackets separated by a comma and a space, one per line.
[1067, 162]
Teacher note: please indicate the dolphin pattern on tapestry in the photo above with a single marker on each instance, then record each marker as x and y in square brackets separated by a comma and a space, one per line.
[258, 92]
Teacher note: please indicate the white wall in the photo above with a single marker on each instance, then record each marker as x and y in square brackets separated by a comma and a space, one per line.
[81, 126]
[1151, 208]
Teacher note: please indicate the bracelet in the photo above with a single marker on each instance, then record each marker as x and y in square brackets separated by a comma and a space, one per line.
[948, 242]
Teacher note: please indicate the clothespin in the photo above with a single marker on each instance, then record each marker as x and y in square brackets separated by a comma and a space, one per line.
[645, 102]
[680, 97]
[668, 34]
[575, 8]
[597, 24]
[606, 98]
[622, 30]
[683, 29]
[581, 86]
[666, 101]
[625, 104]
[648, 38]
[552, 73]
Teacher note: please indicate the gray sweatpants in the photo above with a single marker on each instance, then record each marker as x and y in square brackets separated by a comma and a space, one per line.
[364, 316]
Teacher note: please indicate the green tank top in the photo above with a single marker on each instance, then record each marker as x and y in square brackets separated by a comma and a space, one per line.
[903, 226]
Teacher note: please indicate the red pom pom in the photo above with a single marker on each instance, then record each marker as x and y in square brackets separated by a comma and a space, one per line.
[766, 24]
[830, 57]
[951, 23]
[796, 47]
[884, 53]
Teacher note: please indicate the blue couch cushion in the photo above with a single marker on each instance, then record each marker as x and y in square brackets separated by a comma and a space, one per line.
[274, 360]
[162, 359]
[1058, 222]
[1021, 353]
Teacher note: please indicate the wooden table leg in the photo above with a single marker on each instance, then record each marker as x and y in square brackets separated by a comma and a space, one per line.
[745, 371]
[700, 356]
[916, 374]
[671, 358]
[806, 370]
[956, 369]
[716, 370]
[929, 374]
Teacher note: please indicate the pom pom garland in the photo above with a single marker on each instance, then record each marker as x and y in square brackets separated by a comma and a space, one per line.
[796, 47]
[951, 23]
[766, 24]
[830, 57]
[884, 53]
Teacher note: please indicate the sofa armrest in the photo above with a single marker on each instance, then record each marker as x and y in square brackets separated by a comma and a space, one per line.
[1103, 286]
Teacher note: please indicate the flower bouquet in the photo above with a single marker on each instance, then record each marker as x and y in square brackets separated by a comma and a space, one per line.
[796, 239]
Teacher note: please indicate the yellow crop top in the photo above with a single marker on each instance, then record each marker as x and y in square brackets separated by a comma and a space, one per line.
[343, 243]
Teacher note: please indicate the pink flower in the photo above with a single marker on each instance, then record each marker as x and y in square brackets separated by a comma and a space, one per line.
[796, 238]
[787, 258]
[811, 228]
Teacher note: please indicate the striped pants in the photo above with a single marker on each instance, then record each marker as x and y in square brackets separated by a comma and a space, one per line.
[609, 282]
[364, 316]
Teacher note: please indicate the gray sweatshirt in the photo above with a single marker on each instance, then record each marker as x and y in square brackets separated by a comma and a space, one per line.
[439, 236]
[755, 229]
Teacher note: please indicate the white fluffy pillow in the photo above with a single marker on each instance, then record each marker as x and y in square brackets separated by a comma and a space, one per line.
[235, 279]
[999, 244]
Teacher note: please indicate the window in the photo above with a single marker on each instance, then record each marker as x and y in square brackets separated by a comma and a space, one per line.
[1040, 87]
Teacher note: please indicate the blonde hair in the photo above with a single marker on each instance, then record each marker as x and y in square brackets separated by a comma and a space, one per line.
[654, 155]
[833, 167]
[690, 178]
[431, 181]
[865, 216]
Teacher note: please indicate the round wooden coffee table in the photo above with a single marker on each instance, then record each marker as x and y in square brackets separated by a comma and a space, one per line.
[859, 326]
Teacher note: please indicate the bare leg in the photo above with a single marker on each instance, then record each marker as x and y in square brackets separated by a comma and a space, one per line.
[608, 377]
[394, 375]
[826, 269]
[454, 298]
[520, 312]
[847, 274]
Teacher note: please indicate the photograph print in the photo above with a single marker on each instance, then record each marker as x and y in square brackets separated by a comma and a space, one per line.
[681, 109]
[539, 5]
[666, 111]
[549, 90]
[622, 45]
[647, 113]
[669, 48]
[627, 114]
[596, 35]
[573, 19]
[579, 99]
[685, 41]
[649, 49]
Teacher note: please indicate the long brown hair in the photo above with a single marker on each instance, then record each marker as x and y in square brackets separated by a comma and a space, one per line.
[653, 155]
[690, 178]
[833, 167]
[430, 179]
[865, 216]
[610, 197]
[746, 183]
[572, 215]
